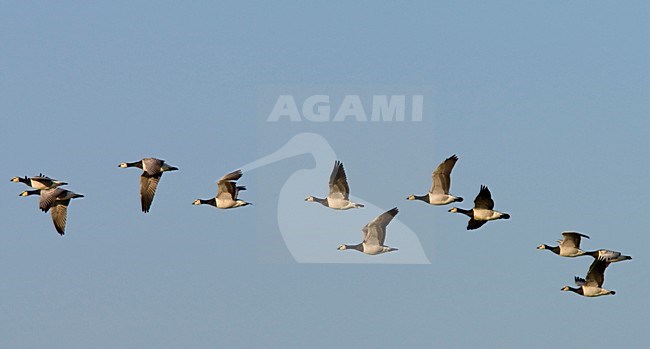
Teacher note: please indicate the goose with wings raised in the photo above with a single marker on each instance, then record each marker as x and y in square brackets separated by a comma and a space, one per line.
[338, 197]
[227, 191]
[592, 284]
[569, 246]
[374, 235]
[483, 210]
[440, 183]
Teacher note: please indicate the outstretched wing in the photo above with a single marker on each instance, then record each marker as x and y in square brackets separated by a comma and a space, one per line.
[226, 187]
[441, 177]
[474, 224]
[571, 239]
[339, 188]
[59, 215]
[232, 176]
[227, 191]
[148, 185]
[484, 199]
[374, 233]
[596, 274]
[48, 198]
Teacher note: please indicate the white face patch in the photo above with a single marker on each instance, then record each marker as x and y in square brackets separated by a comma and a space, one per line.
[122, 165]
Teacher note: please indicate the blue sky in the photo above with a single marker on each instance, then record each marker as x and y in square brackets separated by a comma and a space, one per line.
[545, 103]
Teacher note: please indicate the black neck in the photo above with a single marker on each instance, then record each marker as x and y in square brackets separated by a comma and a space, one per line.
[554, 249]
[578, 290]
[321, 201]
[424, 198]
[137, 164]
[212, 202]
[358, 247]
[469, 213]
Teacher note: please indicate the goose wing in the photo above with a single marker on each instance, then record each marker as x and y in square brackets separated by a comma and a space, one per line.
[441, 177]
[339, 188]
[571, 239]
[48, 198]
[226, 187]
[232, 176]
[596, 274]
[474, 224]
[227, 191]
[374, 233]
[484, 199]
[611, 256]
[148, 185]
[60, 215]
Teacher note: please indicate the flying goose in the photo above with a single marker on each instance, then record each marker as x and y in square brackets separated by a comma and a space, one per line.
[152, 170]
[591, 285]
[57, 200]
[569, 246]
[608, 255]
[482, 211]
[338, 197]
[226, 193]
[440, 183]
[39, 182]
[374, 234]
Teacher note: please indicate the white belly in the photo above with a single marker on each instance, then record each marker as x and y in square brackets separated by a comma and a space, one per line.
[570, 252]
[481, 214]
[373, 249]
[590, 291]
[440, 199]
[225, 203]
[339, 204]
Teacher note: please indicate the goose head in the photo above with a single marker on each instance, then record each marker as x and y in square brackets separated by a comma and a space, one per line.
[342, 247]
[309, 198]
[123, 165]
[541, 247]
[197, 202]
[411, 197]
[453, 210]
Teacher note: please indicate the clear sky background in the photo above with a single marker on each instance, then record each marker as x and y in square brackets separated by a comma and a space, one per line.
[546, 103]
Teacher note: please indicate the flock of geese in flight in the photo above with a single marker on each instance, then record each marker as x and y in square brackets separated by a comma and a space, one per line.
[56, 200]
